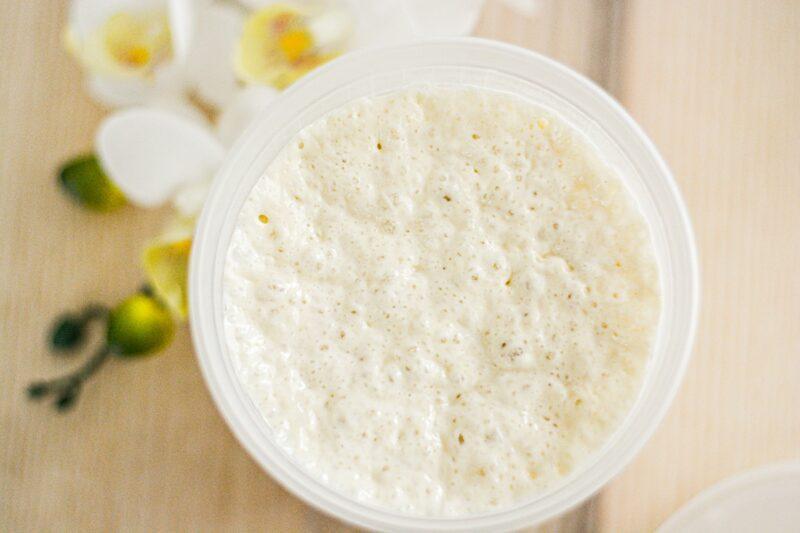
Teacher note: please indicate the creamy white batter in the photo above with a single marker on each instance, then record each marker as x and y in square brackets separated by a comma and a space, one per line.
[441, 300]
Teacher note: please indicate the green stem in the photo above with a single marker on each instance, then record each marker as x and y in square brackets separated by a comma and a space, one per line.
[92, 365]
[93, 312]
[67, 387]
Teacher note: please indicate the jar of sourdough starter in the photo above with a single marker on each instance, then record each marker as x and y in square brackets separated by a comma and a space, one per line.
[465, 67]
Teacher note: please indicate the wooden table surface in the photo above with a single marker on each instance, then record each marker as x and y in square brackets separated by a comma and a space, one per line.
[715, 83]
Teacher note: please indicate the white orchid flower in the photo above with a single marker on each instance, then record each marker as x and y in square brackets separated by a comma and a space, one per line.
[282, 41]
[142, 51]
[130, 49]
[153, 154]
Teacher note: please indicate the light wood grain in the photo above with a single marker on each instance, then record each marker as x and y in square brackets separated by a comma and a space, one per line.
[715, 83]
[717, 86]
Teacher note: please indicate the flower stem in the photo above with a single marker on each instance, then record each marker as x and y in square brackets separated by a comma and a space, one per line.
[93, 312]
[67, 388]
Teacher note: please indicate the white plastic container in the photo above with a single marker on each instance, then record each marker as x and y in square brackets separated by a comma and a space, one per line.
[484, 64]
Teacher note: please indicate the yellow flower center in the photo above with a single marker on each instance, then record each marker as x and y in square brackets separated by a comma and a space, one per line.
[137, 40]
[277, 46]
[137, 56]
[295, 43]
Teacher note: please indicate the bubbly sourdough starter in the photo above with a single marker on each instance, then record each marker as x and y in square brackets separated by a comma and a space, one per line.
[441, 300]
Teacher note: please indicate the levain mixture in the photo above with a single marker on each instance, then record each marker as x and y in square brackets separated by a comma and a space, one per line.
[441, 299]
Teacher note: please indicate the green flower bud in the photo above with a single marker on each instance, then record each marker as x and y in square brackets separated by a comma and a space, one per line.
[85, 181]
[139, 325]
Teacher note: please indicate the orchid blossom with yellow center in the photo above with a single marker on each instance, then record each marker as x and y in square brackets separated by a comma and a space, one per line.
[132, 51]
[126, 44]
[281, 42]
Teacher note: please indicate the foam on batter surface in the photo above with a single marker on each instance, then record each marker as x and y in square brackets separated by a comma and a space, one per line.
[441, 299]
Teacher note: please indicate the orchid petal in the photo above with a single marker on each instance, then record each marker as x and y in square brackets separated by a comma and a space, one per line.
[115, 92]
[188, 200]
[150, 152]
[210, 60]
[397, 21]
[166, 261]
[182, 23]
[242, 110]
[112, 91]
[180, 106]
[257, 4]
[379, 23]
[331, 28]
[166, 266]
[86, 16]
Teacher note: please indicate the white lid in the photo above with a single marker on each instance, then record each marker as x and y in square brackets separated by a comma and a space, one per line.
[766, 500]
